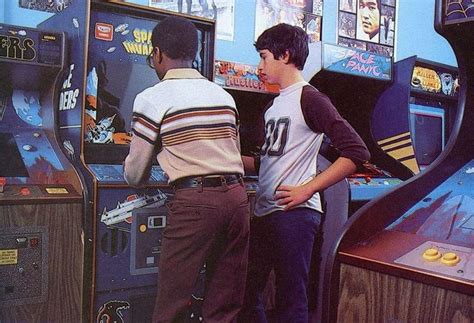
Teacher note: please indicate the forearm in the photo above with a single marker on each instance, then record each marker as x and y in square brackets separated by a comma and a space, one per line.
[137, 165]
[340, 169]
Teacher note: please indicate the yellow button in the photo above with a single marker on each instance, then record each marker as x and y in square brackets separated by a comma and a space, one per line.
[142, 227]
[450, 259]
[431, 254]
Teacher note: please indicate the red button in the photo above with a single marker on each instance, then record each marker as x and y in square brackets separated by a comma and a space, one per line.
[34, 242]
[25, 191]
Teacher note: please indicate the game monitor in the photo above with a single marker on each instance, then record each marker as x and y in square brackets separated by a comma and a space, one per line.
[427, 127]
[11, 163]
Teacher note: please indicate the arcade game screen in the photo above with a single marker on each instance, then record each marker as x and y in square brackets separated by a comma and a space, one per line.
[427, 126]
[11, 163]
[117, 72]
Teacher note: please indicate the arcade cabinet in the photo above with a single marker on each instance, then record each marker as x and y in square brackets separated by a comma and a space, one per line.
[415, 115]
[111, 41]
[408, 256]
[41, 204]
[354, 79]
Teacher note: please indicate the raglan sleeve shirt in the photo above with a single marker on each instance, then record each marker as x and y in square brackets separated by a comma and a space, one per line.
[321, 116]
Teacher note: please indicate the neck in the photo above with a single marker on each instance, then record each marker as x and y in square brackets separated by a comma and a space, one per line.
[173, 63]
[169, 64]
[290, 77]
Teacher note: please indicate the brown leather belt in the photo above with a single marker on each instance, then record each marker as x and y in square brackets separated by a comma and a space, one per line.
[206, 181]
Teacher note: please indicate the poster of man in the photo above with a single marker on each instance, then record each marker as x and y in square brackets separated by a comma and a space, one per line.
[368, 20]
[387, 26]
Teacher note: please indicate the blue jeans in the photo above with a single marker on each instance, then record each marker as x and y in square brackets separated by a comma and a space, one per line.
[282, 241]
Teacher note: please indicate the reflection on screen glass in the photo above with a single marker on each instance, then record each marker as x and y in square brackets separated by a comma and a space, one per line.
[11, 163]
[427, 130]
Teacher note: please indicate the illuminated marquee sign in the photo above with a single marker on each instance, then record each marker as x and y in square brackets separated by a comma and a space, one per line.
[23, 44]
[141, 43]
[240, 76]
[357, 62]
[16, 48]
[432, 81]
[426, 79]
[458, 11]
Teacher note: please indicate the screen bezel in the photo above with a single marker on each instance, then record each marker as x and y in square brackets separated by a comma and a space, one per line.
[417, 109]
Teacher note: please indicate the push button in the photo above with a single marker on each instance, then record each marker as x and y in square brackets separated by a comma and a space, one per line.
[431, 254]
[450, 259]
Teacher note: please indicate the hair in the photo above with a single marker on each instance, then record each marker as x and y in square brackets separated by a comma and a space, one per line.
[176, 37]
[283, 37]
[378, 4]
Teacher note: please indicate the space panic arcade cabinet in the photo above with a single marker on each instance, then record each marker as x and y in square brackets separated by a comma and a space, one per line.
[354, 79]
[411, 252]
[41, 204]
[415, 115]
[110, 42]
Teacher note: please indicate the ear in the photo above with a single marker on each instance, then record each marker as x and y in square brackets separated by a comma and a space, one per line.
[158, 53]
[286, 57]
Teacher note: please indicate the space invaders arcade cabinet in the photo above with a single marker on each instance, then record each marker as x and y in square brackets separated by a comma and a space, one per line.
[41, 201]
[110, 42]
[411, 252]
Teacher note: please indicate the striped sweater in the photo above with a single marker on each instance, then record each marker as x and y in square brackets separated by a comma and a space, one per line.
[189, 123]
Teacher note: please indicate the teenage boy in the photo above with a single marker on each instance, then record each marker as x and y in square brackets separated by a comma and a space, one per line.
[190, 125]
[288, 206]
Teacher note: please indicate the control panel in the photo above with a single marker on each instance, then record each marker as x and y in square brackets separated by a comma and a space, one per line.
[114, 173]
[442, 258]
[370, 183]
[366, 188]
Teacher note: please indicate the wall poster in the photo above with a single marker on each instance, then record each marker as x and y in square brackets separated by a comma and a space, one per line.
[220, 10]
[45, 5]
[306, 14]
[368, 25]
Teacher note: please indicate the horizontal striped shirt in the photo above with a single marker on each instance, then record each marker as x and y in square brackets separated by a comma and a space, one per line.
[189, 124]
[192, 125]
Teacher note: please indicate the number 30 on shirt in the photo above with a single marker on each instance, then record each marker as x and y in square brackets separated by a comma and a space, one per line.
[276, 135]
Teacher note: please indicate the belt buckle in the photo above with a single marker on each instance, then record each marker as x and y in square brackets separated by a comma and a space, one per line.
[223, 180]
[200, 184]
[199, 181]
